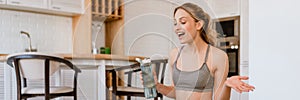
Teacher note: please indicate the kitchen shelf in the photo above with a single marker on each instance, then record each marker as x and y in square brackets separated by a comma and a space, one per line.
[111, 12]
[234, 39]
[108, 9]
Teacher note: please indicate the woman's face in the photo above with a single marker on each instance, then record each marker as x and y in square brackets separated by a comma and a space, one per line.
[186, 27]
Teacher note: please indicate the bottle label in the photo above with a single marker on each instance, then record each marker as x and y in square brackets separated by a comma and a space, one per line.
[148, 77]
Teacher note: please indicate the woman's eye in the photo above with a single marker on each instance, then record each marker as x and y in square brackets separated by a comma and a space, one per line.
[175, 24]
[182, 22]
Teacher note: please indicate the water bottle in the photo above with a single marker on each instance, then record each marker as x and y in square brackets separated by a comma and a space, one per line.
[149, 83]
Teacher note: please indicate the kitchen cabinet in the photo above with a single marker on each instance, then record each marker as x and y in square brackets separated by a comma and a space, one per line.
[74, 6]
[29, 3]
[55, 7]
[2, 1]
[226, 8]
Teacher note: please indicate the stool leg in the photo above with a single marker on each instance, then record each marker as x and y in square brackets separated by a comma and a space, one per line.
[107, 73]
[128, 98]
[114, 84]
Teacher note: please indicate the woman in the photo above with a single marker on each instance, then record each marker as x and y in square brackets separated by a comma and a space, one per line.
[199, 69]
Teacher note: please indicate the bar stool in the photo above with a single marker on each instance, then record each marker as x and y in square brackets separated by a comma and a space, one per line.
[129, 91]
[40, 66]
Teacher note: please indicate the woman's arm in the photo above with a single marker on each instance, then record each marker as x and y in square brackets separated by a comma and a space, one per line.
[223, 85]
[221, 91]
[168, 91]
[238, 85]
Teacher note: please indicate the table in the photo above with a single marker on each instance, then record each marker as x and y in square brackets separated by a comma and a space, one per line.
[93, 83]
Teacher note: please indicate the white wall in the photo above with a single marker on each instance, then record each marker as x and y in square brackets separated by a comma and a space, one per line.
[148, 27]
[50, 34]
[2, 81]
[274, 49]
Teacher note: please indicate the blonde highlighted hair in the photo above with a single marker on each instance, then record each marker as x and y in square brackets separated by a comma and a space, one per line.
[207, 33]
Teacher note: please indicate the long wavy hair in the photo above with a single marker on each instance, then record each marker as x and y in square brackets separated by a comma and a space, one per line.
[207, 33]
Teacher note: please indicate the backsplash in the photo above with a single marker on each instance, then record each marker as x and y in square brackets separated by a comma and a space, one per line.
[49, 33]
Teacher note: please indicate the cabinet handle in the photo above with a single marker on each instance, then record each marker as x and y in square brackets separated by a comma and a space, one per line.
[55, 7]
[15, 2]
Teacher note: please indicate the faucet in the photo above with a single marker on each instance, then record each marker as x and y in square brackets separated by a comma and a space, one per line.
[30, 46]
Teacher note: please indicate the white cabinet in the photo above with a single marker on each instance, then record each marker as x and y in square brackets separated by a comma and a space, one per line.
[57, 7]
[29, 3]
[74, 6]
[2, 1]
[226, 8]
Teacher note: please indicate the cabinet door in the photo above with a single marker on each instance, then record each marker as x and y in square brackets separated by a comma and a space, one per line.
[29, 3]
[74, 6]
[226, 8]
[2, 1]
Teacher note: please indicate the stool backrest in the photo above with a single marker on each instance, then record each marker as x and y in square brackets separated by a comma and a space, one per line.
[32, 67]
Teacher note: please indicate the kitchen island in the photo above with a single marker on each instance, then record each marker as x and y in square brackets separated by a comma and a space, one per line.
[91, 82]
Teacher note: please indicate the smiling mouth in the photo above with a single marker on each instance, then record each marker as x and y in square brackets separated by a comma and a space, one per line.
[180, 34]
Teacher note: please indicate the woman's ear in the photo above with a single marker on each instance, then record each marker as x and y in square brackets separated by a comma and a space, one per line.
[199, 24]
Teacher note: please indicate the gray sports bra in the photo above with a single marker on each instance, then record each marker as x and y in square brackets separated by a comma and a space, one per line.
[199, 80]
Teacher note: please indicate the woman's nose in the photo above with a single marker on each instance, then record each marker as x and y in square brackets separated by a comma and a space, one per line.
[177, 27]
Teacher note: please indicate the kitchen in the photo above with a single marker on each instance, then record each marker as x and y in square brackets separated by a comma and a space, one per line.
[71, 31]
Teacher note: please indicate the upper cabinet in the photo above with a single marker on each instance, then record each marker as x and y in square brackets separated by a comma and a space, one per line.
[56, 7]
[29, 3]
[226, 8]
[2, 1]
[74, 6]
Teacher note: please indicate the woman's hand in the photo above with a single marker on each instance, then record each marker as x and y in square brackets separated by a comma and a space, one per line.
[238, 85]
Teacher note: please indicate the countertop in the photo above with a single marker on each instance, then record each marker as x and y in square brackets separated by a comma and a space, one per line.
[2, 57]
[89, 56]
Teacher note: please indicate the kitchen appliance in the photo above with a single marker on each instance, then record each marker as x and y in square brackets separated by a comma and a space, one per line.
[229, 40]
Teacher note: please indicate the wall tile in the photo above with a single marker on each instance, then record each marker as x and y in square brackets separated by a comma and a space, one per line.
[50, 34]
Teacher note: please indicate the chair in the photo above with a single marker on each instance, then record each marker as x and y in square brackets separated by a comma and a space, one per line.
[160, 67]
[38, 66]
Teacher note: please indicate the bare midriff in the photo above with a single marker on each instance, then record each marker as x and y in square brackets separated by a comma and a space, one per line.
[190, 95]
